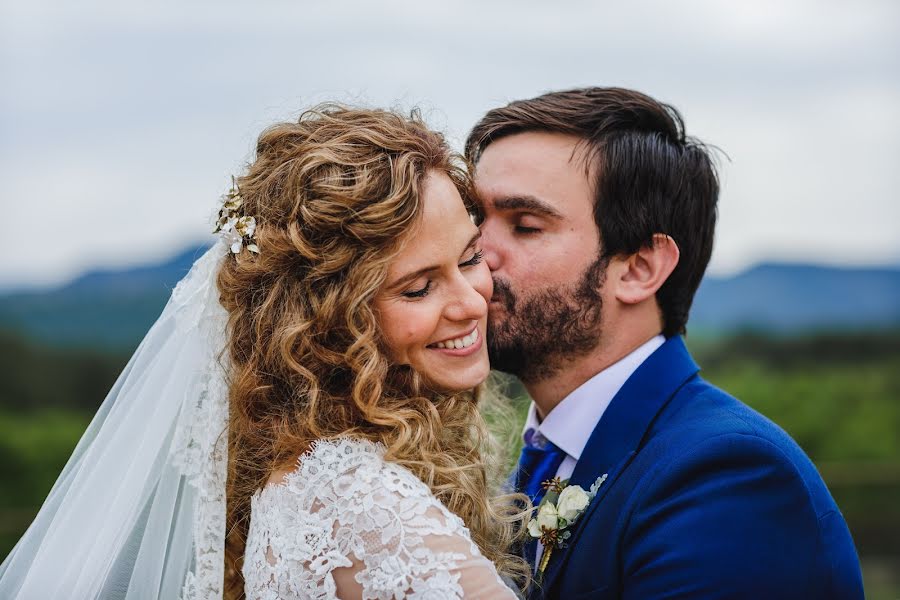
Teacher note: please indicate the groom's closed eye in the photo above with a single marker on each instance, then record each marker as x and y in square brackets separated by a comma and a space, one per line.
[527, 215]
[527, 225]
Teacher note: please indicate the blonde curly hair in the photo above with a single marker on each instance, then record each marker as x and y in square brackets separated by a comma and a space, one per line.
[334, 195]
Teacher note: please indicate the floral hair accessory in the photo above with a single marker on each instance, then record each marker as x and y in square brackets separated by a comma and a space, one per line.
[236, 228]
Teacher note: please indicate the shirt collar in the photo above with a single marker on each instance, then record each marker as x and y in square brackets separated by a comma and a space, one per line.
[571, 423]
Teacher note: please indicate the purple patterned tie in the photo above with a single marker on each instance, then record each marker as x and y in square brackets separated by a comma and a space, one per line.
[538, 462]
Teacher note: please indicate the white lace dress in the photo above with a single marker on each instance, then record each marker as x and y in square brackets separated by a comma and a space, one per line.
[348, 524]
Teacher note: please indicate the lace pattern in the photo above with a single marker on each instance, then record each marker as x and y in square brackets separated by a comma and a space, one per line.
[199, 445]
[346, 505]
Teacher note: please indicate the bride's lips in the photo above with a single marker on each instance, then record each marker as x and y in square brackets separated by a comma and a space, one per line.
[462, 351]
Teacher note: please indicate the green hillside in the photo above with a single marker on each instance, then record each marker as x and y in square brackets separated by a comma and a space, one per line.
[837, 395]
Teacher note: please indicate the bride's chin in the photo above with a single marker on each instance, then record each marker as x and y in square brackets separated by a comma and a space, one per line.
[464, 382]
[473, 382]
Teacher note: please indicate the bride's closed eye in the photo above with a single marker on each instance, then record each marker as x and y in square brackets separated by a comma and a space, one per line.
[476, 258]
[422, 292]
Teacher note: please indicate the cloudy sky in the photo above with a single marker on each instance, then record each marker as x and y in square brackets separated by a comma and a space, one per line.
[121, 122]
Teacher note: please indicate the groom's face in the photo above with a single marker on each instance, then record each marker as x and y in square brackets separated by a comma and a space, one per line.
[543, 247]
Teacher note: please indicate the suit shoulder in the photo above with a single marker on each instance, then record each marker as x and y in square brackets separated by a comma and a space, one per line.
[700, 411]
[740, 486]
[706, 427]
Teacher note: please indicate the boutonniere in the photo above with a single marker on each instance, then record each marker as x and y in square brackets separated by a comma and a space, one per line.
[560, 509]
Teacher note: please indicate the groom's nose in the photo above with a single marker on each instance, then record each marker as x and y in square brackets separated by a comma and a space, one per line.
[490, 247]
[492, 259]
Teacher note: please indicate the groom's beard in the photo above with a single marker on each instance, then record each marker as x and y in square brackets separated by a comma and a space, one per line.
[538, 334]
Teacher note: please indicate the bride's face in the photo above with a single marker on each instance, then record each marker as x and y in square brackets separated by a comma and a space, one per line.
[433, 306]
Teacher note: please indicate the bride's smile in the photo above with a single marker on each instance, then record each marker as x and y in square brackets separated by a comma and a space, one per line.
[460, 345]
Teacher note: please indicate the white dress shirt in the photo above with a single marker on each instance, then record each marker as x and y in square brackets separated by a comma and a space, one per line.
[571, 423]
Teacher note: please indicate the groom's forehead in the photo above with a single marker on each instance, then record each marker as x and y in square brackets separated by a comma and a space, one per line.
[534, 149]
[531, 155]
[543, 174]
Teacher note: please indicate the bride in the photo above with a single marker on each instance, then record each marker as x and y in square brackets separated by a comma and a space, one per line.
[302, 420]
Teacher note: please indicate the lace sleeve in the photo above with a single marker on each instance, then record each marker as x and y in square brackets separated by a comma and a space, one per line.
[348, 524]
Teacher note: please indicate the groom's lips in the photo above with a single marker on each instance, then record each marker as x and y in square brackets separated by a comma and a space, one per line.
[502, 296]
[497, 304]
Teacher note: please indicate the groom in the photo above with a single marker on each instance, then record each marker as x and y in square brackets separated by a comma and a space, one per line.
[599, 215]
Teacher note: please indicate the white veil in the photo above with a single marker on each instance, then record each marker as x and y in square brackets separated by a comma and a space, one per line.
[139, 509]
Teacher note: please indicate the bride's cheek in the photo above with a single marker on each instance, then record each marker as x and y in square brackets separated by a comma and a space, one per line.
[418, 326]
[397, 324]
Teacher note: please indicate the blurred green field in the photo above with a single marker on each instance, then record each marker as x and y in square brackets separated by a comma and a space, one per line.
[847, 418]
[34, 448]
[837, 395]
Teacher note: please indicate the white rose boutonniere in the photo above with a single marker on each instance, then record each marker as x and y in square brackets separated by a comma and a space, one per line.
[561, 507]
[547, 518]
[572, 502]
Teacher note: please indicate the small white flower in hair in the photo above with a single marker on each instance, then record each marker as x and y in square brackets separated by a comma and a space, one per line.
[237, 229]
[246, 226]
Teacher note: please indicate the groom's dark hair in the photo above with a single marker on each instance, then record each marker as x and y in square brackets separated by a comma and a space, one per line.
[650, 177]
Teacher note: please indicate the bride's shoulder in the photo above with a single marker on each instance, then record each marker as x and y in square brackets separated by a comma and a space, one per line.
[344, 505]
[346, 464]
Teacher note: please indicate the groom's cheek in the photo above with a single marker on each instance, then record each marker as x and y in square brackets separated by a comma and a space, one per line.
[496, 243]
[481, 280]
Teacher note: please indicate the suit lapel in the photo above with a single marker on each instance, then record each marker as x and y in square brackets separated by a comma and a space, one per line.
[619, 433]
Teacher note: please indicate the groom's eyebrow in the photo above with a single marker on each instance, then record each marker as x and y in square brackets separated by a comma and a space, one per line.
[527, 203]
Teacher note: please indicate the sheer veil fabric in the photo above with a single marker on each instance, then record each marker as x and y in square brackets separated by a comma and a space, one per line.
[139, 509]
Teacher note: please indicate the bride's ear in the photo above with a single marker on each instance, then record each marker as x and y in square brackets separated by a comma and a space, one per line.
[641, 274]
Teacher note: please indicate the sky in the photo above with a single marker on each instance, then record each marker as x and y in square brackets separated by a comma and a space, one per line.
[122, 122]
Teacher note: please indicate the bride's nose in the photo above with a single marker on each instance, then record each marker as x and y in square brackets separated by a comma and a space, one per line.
[465, 302]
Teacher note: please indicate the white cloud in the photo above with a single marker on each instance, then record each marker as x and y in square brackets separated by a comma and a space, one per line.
[138, 112]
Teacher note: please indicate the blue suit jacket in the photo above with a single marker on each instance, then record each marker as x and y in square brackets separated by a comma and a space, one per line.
[705, 498]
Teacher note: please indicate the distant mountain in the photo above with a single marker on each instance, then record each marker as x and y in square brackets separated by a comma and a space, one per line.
[137, 279]
[114, 308]
[789, 298]
[104, 308]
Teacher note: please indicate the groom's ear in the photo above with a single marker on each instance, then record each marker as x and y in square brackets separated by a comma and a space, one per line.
[641, 274]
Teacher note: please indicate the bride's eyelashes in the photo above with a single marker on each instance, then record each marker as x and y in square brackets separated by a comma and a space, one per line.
[476, 258]
[421, 293]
